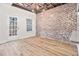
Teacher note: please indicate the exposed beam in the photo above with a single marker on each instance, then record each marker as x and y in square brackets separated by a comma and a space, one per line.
[36, 7]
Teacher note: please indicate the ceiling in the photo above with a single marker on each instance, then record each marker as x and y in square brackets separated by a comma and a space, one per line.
[36, 7]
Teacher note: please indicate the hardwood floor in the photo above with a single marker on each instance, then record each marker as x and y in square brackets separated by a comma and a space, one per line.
[37, 46]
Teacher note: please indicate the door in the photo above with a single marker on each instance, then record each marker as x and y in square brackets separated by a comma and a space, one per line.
[13, 32]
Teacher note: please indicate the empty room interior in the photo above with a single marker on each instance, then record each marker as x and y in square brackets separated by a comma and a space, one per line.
[39, 29]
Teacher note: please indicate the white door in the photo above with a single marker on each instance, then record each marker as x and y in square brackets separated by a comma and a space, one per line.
[13, 28]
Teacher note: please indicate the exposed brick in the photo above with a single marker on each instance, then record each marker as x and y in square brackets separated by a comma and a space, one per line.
[58, 22]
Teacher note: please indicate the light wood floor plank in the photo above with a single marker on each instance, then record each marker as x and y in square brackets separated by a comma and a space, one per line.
[37, 46]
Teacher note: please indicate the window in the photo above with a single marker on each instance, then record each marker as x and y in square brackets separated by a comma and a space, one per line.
[12, 26]
[29, 24]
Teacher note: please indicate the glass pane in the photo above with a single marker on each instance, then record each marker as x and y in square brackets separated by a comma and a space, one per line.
[29, 25]
[13, 26]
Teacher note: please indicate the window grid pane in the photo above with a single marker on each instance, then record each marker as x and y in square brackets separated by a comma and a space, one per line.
[29, 25]
[13, 26]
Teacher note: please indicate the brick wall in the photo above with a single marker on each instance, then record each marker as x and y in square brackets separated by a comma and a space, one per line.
[58, 22]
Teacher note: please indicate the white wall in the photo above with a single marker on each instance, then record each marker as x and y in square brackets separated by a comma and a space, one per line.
[7, 10]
